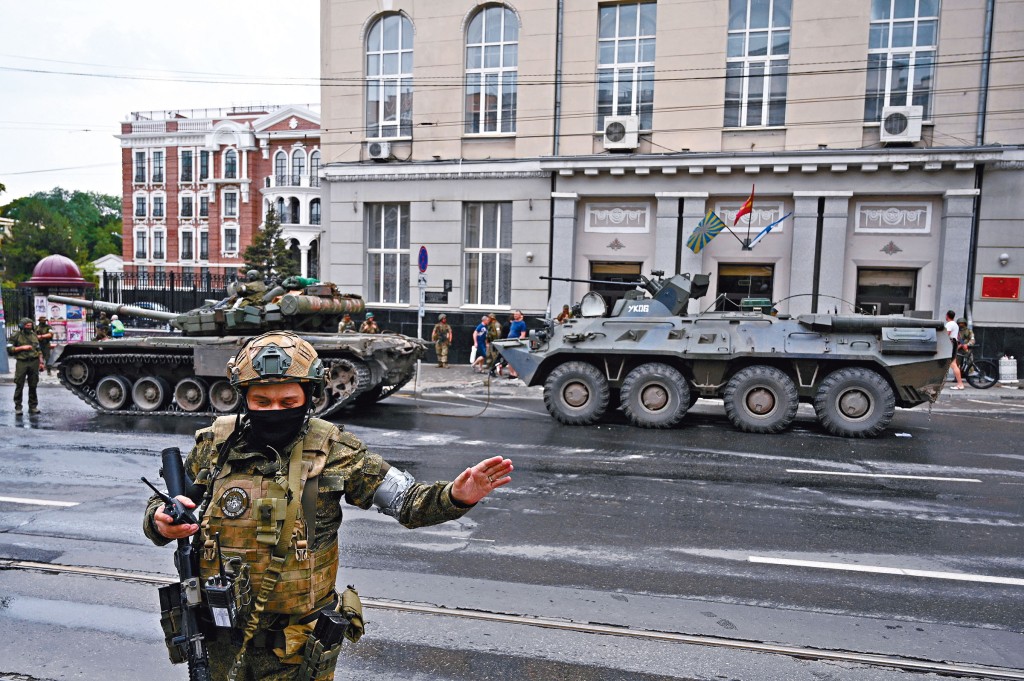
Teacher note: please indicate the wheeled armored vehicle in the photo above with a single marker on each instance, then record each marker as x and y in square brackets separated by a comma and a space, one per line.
[652, 360]
[185, 373]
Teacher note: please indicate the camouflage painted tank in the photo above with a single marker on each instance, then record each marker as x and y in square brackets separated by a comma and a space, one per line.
[652, 360]
[183, 373]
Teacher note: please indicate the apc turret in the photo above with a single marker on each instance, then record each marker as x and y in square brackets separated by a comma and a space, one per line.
[184, 373]
[652, 360]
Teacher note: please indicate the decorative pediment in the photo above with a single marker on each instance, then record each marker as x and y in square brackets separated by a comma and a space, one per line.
[288, 118]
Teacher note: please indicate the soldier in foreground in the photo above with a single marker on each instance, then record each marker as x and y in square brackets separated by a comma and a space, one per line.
[272, 480]
[24, 347]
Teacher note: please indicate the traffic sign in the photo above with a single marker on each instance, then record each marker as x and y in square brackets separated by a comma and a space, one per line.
[423, 259]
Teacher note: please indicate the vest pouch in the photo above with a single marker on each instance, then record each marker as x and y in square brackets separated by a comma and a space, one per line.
[170, 619]
[270, 513]
[323, 647]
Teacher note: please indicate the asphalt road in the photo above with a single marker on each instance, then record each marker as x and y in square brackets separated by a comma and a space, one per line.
[908, 545]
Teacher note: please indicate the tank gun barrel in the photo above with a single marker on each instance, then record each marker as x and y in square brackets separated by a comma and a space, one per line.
[114, 308]
[596, 281]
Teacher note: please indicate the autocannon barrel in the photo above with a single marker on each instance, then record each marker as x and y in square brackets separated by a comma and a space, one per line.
[864, 323]
[293, 304]
[114, 308]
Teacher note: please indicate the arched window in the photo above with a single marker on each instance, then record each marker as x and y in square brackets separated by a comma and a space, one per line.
[492, 60]
[389, 77]
[314, 212]
[280, 211]
[231, 164]
[280, 169]
[298, 166]
[314, 169]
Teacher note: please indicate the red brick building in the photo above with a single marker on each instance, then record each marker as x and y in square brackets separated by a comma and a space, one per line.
[197, 184]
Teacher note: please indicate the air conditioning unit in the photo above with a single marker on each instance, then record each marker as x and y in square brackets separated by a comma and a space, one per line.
[901, 124]
[378, 151]
[620, 133]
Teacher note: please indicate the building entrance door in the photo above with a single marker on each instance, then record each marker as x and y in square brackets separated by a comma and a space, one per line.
[885, 291]
[613, 271]
[744, 281]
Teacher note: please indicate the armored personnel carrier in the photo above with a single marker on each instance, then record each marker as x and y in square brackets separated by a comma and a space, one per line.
[185, 373]
[652, 360]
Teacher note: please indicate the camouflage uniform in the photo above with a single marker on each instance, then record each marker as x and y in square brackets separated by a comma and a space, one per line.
[346, 325]
[43, 329]
[102, 327]
[369, 326]
[342, 469]
[442, 337]
[27, 369]
[493, 334]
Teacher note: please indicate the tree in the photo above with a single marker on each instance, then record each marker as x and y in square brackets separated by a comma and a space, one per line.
[38, 232]
[268, 252]
[94, 218]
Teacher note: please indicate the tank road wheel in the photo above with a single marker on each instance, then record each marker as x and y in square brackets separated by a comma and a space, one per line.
[224, 398]
[761, 399]
[346, 379]
[576, 394]
[76, 372]
[150, 393]
[190, 394]
[854, 402]
[655, 395]
[113, 392]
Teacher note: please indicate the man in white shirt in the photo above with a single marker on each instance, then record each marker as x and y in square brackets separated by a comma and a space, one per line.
[954, 335]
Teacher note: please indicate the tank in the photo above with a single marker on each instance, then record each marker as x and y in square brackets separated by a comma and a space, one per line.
[184, 374]
[653, 361]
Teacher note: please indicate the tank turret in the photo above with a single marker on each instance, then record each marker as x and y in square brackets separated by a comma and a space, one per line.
[184, 372]
[652, 360]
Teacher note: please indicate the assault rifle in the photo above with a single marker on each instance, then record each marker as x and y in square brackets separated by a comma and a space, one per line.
[182, 600]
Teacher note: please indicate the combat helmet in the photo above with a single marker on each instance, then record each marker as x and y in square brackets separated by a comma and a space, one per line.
[252, 275]
[277, 357]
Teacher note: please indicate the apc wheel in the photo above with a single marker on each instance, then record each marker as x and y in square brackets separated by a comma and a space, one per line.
[223, 397]
[854, 402]
[576, 394]
[76, 372]
[150, 393]
[984, 375]
[190, 394]
[113, 392]
[655, 395]
[761, 399]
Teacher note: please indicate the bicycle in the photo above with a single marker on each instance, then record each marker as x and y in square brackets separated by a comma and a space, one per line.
[980, 373]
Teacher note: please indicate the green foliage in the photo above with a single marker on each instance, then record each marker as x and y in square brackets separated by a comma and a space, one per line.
[268, 252]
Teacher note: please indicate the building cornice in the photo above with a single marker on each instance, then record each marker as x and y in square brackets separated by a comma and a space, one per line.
[392, 172]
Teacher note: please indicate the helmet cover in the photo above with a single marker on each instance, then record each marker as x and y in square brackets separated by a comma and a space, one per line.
[276, 357]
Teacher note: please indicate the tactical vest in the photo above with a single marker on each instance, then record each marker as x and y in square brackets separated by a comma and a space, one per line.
[248, 510]
[26, 338]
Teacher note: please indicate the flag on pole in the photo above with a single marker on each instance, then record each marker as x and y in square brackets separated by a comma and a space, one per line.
[745, 209]
[706, 230]
[766, 230]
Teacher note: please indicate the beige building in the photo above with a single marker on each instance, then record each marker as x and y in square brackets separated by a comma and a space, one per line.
[588, 139]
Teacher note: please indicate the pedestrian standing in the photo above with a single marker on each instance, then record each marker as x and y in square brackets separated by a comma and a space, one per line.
[954, 338]
[45, 335]
[517, 329]
[272, 480]
[480, 344]
[442, 337]
[116, 327]
[25, 349]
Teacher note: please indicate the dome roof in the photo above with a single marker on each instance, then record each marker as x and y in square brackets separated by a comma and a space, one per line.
[56, 271]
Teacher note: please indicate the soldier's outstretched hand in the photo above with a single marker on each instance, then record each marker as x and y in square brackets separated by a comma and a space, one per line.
[475, 483]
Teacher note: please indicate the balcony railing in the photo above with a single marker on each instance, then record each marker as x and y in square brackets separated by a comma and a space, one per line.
[158, 177]
[292, 180]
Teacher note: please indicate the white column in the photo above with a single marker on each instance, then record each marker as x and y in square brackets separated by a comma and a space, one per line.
[801, 273]
[955, 244]
[563, 252]
[833, 263]
[304, 260]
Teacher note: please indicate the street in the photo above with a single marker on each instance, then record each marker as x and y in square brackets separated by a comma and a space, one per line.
[693, 553]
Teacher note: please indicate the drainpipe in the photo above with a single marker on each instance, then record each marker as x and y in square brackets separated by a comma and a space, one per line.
[979, 141]
[558, 76]
[819, 233]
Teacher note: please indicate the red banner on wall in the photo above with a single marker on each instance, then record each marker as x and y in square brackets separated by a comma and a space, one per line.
[1007, 288]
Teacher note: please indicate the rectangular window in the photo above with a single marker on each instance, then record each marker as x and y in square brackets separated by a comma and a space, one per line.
[143, 274]
[204, 206]
[231, 164]
[140, 167]
[901, 55]
[387, 255]
[140, 206]
[158, 244]
[158, 166]
[204, 165]
[747, 280]
[231, 240]
[188, 276]
[488, 253]
[141, 253]
[158, 206]
[625, 72]
[186, 242]
[204, 245]
[757, 63]
[186, 207]
[186, 165]
[230, 204]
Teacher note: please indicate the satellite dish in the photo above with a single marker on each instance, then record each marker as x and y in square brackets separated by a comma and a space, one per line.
[593, 305]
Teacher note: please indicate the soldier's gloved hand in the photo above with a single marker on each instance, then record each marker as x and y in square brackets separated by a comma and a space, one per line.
[475, 483]
[163, 525]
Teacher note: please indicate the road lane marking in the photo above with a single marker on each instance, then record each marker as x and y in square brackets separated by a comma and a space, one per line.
[881, 475]
[37, 502]
[958, 576]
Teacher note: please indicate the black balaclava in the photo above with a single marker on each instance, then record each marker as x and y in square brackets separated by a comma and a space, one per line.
[278, 427]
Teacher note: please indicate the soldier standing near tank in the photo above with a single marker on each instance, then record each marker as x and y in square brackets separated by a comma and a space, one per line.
[442, 337]
[370, 325]
[493, 334]
[252, 292]
[25, 349]
[102, 327]
[275, 456]
[45, 335]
